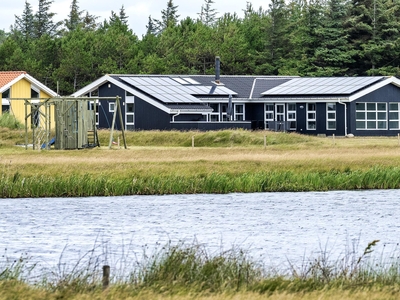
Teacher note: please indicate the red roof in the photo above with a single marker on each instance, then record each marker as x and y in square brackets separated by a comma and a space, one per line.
[8, 76]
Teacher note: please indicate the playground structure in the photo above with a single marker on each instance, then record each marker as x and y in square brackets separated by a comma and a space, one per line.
[74, 122]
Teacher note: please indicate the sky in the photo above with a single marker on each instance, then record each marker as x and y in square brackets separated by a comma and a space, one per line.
[138, 11]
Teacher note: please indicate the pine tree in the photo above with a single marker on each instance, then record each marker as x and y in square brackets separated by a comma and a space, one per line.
[169, 17]
[208, 15]
[122, 16]
[74, 17]
[43, 20]
[333, 56]
[151, 26]
[24, 24]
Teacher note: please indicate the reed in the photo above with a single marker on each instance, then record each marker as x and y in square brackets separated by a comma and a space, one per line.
[15, 185]
[188, 271]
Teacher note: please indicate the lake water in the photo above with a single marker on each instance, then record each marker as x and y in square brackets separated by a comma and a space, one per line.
[273, 227]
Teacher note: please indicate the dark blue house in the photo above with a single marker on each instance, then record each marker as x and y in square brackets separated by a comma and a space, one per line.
[363, 106]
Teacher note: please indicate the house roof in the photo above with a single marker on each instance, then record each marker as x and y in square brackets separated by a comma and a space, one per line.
[167, 91]
[9, 78]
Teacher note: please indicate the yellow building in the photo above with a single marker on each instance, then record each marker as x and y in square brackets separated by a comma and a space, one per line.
[19, 85]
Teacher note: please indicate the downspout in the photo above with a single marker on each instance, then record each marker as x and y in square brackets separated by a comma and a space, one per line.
[173, 117]
[345, 117]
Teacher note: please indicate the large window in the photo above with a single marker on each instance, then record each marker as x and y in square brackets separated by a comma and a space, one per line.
[331, 116]
[311, 116]
[370, 116]
[394, 115]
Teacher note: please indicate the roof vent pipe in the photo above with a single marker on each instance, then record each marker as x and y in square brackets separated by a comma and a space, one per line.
[217, 69]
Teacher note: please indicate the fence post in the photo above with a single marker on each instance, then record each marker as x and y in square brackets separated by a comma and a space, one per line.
[193, 141]
[106, 277]
[265, 141]
[334, 142]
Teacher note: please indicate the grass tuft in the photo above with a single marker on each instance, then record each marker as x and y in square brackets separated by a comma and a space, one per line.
[8, 120]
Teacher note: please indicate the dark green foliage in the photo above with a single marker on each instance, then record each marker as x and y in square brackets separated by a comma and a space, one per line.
[306, 38]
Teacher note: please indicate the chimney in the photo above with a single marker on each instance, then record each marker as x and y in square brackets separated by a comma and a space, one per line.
[217, 70]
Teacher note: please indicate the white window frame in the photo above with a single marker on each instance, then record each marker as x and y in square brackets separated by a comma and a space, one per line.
[289, 116]
[373, 116]
[6, 101]
[311, 116]
[330, 116]
[269, 115]
[129, 100]
[111, 107]
[91, 107]
[394, 115]
[238, 116]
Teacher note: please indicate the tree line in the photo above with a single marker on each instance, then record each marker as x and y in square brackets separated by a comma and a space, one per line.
[295, 37]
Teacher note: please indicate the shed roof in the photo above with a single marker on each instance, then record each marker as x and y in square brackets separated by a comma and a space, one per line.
[9, 78]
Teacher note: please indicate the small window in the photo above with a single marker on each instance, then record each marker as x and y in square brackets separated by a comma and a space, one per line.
[394, 116]
[111, 106]
[331, 116]
[34, 93]
[6, 94]
[311, 116]
[130, 107]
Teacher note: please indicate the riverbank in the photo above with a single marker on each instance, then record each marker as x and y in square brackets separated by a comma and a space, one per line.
[220, 162]
[190, 272]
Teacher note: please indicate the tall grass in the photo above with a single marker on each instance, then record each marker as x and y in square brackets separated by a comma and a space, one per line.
[182, 269]
[8, 120]
[15, 185]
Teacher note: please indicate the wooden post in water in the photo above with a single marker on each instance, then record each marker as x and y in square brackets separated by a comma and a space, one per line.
[106, 277]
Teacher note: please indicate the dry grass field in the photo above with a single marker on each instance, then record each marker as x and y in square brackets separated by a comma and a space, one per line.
[152, 153]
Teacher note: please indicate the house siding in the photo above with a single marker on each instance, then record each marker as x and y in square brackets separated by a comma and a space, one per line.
[149, 117]
[255, 113]
[105, 116]
[21, 89]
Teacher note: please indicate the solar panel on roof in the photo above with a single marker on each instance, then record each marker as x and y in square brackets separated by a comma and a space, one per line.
[190, 80]
[158, 81]
[168, 82]
[129, 80]
[326, 85]
[180, 80]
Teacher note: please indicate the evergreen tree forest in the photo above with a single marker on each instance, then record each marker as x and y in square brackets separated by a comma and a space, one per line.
[292, 37]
